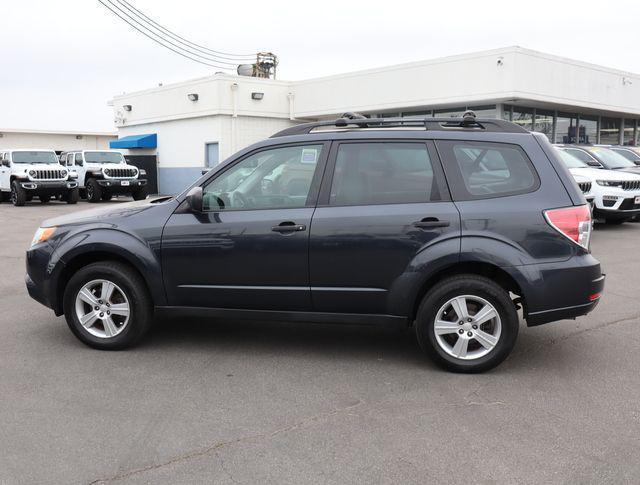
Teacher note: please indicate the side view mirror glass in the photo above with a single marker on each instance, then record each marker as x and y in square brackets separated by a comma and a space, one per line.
[194, 199]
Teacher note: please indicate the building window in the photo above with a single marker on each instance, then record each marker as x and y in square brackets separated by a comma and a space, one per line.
[449, 112]
[212, 154]
[506, 112]
[588, 132]
[543, 123]
[629, 133]
[566, 128]
[487, 111]
[610, 131]
[523, 117]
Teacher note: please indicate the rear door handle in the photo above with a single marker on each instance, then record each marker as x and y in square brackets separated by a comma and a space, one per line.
[431, 222]
[289, 226]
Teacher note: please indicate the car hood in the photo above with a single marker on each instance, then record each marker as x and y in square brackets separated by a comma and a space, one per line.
[107, 214]
[635, 170]
[603, 174]
[580, 178]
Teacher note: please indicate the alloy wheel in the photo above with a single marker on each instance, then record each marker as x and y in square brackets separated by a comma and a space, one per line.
[102, 308]
[467, 327]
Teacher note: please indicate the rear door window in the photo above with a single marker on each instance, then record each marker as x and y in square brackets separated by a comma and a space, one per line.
[383, 173]
[480, 170]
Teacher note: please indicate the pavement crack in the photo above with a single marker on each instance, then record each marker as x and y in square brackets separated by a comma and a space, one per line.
[213, 449]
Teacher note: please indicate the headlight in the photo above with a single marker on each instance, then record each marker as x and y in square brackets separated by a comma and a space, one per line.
[64, 173]
[32, 173]
[609, 183]
[42, 234]
[107, 171]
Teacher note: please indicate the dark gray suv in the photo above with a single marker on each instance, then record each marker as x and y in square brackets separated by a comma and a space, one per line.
[451, 226]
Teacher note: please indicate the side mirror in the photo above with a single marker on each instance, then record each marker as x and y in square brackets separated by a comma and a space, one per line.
[194, 199]
[6, 163]
[593, 163]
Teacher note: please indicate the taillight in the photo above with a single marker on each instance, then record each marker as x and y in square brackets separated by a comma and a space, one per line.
[572, 222]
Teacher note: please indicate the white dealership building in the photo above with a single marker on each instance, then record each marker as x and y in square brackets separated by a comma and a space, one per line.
[197, 123]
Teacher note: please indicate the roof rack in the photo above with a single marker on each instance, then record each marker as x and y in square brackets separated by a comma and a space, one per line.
[354, 121]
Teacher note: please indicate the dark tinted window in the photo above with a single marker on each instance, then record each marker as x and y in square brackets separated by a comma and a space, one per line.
[484, 169]
[383, 173]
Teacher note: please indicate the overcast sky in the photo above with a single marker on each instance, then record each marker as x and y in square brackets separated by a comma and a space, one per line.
[61, 61]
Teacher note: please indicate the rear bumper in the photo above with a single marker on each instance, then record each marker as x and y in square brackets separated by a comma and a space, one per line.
[571, 312]
[559, 290]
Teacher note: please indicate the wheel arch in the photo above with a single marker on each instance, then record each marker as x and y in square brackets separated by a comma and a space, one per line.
[143, 263]
[495, 273]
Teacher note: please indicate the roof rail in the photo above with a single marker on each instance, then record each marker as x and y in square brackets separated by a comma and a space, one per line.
[355, 121]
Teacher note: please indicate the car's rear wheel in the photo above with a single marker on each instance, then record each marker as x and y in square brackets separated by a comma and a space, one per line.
[94, 192]
[467, 323]
[18, 194]
[107, 307]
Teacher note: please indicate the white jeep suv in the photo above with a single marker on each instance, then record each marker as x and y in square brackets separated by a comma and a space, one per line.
[25, 173]
[104, 173]
[616, 194]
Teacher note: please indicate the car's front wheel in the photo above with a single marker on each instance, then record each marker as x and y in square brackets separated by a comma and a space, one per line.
[18, 194]
[467, 323]
[107, 307]
[94, 191]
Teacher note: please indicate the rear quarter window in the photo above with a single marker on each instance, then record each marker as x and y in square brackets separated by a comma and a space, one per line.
[483, 170]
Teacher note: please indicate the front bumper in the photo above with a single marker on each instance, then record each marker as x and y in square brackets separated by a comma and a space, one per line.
[46, 187]
[616, 204]
[121, 186]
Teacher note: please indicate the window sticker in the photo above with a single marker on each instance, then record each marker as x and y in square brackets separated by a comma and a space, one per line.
[309, 155]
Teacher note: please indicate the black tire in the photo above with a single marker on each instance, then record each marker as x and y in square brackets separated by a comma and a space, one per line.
[44, 199]
[615, 222]
[94, 191]
[477, 286]
[106, 196]
[18, 194]
[72, 196]
[140, 194]
[5, 196]
[131, 284]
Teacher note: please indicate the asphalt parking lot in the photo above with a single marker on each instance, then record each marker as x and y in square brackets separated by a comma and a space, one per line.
[236, 402]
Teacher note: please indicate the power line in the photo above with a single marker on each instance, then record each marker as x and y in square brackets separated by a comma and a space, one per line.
[180, 39]
[161, 40]
[146, 30]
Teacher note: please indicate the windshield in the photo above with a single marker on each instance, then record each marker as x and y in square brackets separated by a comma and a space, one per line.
[628, 154]
[570, 161]
[611, 159]
[103, 157]
[34, 157]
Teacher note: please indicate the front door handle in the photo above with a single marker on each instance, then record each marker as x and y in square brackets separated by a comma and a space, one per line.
[288, 226]
[431, 222]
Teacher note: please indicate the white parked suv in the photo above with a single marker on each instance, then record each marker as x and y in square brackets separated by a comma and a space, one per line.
[616, 194]
[104, 173]
[27, 173]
